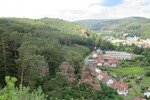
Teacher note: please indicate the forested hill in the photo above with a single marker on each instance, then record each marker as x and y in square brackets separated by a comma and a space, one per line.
[133, 25]
[30, 42]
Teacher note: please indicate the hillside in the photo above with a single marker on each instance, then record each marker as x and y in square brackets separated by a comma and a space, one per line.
[133, 25]
[47, 40]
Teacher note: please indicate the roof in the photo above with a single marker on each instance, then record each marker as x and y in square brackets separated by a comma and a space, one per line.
[119, 86]
[103, 74]
[110, 58]
[147, 93]
[106, 79]
[99, 60]
[138, 99]
[99, 55]
[113, 61]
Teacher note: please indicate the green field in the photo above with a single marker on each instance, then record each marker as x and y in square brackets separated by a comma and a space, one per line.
[127, 71]
[130, 70]
[146, 81]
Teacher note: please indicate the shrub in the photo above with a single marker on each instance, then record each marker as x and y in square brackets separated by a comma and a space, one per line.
[148, 74]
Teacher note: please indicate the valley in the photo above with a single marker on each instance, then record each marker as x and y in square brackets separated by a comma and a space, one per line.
[132, 77]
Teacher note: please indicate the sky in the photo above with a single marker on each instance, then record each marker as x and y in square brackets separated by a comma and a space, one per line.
[73, 10]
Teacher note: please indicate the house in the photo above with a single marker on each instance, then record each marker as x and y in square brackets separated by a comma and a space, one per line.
[108, 80]
[148, 88]
[121, 88]
[147, 94]
[113, 63]
[99, 62]
[99, 56]
[105, 64]
[94, 55]
[138, 99]
[97, 70]
[99, 51]
[100, 76]
[105, 57]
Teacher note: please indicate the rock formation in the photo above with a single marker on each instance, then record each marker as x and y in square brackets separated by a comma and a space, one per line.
[89, 76]
[44, 69]
[66, 68]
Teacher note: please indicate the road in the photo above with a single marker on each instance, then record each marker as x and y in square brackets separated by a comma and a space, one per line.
[86, 58]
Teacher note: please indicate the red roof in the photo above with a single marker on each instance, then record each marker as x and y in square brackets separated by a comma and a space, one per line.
[103, 74]
[113, 61]
[138, 99]
[119, 86]
[99, 55]
[99, 60]
[110, 59]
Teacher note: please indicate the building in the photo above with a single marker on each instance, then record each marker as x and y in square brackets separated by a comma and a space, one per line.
[94, 55]
[97, 70]
[100, 76]
[118, 55]
[99, 62]
[113, 63]
[147, 94]
[121, 88]
[108, 80]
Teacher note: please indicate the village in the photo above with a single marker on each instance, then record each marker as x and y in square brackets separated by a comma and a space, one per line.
[143, 43]
[109, 59]
[98, 60]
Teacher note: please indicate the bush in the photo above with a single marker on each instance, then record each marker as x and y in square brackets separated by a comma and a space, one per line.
[130, 85]
[148, 74]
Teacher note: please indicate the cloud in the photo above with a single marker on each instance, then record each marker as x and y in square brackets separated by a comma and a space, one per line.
[74, 9]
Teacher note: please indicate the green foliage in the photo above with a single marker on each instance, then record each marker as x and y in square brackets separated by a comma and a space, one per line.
[32, 43]
[21, 93]
[117, 27]
[106, 45]
[148, 74]
[9, 91]
[56, 83]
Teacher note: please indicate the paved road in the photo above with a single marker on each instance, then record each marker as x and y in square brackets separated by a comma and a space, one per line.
[86, 58]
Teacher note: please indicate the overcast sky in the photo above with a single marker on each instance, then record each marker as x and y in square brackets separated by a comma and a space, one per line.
[73, 10]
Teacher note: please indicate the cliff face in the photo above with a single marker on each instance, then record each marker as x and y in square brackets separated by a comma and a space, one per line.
[66, 68]
[89, 76]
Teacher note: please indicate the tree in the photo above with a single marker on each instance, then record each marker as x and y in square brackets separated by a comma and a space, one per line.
[21, 93]
[30, 63]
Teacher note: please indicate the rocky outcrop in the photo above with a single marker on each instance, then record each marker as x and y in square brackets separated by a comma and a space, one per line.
[44, 69]
[89, 76]
[66, 68]
[83, 32]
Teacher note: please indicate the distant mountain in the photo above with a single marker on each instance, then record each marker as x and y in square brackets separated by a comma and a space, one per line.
[139, 26]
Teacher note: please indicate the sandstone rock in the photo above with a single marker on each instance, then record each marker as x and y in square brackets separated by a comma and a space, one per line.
[66, 68]
[89, 76]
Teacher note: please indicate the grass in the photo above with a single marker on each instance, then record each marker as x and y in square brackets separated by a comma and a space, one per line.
[128, 71]
[135, 55]
[146, 81]
[131, 94]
